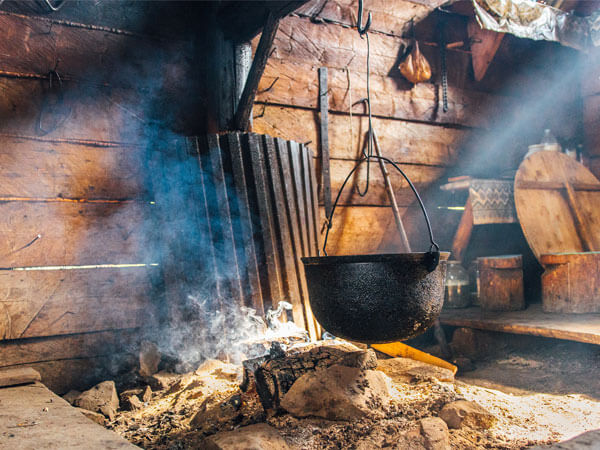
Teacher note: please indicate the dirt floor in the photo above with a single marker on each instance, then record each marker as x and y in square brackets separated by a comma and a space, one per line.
[540, 392]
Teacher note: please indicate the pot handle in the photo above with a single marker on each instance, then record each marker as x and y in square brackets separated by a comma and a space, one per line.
[432, 258]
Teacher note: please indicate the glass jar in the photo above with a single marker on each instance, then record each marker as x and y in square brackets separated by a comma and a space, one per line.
[458, 293]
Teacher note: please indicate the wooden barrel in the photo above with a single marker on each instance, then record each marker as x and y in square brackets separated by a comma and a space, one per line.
[501, 283]
[571, 282]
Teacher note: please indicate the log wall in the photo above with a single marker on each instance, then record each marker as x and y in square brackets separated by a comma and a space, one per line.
[413, 129]
[77, 277]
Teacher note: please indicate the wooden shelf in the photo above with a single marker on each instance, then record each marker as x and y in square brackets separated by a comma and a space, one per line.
[532, 321]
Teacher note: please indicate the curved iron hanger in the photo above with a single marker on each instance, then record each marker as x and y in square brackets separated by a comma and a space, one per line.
[363, 30]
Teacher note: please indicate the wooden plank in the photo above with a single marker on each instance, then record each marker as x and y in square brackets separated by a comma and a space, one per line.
[34, 45]
[401, 141]
[297, 85]
[532, 321]
[386, 19]
[74, 346]
[292, 215]
[265, 208]
[311, 226]
[285, 244]
[247, 231]
[72, 234]
[300, 205]
[557, 185]
[90, 113]
[223, 239]
[421, 177]
[359, 230]
[484, 45]
[244, 108]
[45, 169]
[18, 375]
[52, 302]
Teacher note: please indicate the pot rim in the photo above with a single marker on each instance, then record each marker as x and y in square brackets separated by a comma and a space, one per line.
[373, 258]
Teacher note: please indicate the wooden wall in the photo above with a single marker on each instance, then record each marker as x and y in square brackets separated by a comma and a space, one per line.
[409, 119]
[75, 193]
[591, 108]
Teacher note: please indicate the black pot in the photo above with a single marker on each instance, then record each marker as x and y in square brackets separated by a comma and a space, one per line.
[376, 298]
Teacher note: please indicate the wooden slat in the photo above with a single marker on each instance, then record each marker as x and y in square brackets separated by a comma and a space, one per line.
[75, 346]
[297, 85]
[45, 169]
[292, 215]
[297, 176]
[557, 185]
[359, 230]
[533, 321]
[406, 142]
[310, 199]
[265, 208]
[222, 221]
[73, 234]
[53, 302]
[285, 244]
[247, 229]
[421, 176]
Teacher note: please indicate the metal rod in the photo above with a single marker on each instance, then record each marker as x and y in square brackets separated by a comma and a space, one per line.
[392, 197]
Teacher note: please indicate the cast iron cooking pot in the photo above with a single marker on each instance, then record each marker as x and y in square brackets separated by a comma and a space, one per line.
[377, 298]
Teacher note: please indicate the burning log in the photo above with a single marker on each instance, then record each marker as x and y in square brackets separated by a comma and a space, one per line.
[274, 375]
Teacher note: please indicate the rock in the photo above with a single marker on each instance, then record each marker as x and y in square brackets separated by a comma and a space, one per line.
[338, 393]
[71, 396]
[147, 395]
[585, 441]
[220, 369]
[435, 432]
[253, 437]
[362, 359]
[462, 412]
[149, 358]
[135, 403]
[96, 417]
[406, 370]
[162, 380]
[101, 398]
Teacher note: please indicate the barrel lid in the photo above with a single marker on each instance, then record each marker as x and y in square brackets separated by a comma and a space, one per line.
[501, 262]
[559, 258]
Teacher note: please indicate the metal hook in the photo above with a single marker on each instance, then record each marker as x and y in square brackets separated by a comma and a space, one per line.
[363, 30]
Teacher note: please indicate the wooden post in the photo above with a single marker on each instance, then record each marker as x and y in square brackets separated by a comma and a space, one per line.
[244, 108]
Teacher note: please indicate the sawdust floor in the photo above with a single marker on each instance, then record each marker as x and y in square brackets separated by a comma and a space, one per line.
[539, 397]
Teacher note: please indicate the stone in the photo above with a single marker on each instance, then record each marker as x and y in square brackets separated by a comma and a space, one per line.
[406, 370]
[220, 369]
[338, 393]
[585, 441]
[101, 398]
[435, 432]
[253, 437]
[94, 416]
[135, 403]
[149, 358]
[71, 396]
[464, 413]
[147, 395]
[162, 380]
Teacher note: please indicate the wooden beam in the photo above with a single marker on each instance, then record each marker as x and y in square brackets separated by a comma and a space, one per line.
[244, 108]
[485, 44]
